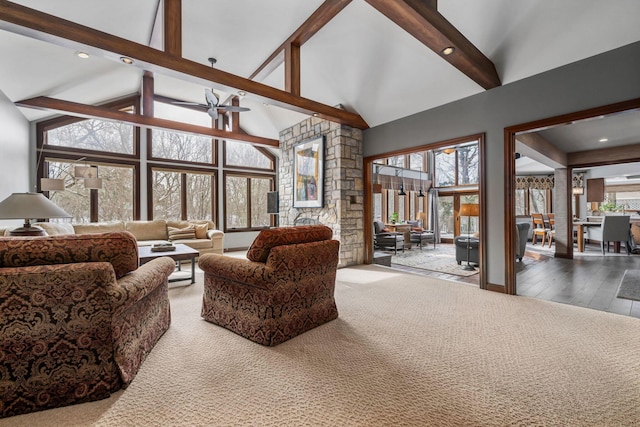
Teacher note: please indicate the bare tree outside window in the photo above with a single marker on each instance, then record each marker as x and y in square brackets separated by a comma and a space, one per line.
[94, 134]
[468, 157]
[236, 209]
[166, 194]
[199, 196]
[181, 146]
[445, 169]
[259, 189]
[116, 194]
[239, 154]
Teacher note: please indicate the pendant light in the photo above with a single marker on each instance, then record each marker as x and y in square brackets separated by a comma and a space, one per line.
[401, 192]
[420, 193]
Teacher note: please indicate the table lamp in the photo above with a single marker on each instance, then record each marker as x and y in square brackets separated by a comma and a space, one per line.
[469, 210]
[29, 206]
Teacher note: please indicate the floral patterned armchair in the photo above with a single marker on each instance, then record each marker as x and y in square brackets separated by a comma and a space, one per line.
[283, 289]
[77, 317]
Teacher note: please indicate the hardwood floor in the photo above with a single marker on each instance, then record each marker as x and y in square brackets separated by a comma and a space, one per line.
[590, 280]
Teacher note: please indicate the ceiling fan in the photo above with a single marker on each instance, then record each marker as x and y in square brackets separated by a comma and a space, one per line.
[213, 104]
[213, 101]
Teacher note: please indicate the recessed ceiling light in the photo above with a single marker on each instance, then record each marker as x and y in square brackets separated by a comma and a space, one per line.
[315, 114]
[265, 104]
[126, 60]
[83, 55]
[448, 50]
[242, 93]
[603, 140]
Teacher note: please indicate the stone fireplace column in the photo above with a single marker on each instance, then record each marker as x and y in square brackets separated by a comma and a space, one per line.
[343, 207]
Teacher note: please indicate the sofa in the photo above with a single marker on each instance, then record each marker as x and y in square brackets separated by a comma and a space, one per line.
[284, 288]
[200, 235]
[77, 317]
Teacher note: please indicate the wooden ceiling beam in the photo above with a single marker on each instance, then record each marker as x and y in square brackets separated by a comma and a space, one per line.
[104, 113]
[292, 69]
[173, 27]
[420, 19]
[322, 15]
[605, 156]
[42, 26]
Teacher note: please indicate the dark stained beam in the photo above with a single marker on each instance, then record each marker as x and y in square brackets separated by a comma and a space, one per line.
[538, 143]
[292, 69]
[173, 27]
[423, 21]
[605, 156]
[147, 94]
[90, 111]
[318, 19]
[32, 23]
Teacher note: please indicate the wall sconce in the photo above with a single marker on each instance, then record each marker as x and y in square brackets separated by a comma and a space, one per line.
[578, 191]
[449, 150]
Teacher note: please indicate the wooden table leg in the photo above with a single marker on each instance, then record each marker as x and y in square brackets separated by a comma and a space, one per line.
[580, 238]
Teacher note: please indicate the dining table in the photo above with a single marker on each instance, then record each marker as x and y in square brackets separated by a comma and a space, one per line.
[580, 225]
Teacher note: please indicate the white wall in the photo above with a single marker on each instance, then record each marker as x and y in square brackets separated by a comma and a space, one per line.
[601, 80]
[14, 146]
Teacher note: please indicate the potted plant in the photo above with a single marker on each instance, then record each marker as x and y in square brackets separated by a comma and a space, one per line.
[610, 207]
[394, 217]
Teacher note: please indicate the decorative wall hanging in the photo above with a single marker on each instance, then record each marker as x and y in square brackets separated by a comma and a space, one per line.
[308, 174]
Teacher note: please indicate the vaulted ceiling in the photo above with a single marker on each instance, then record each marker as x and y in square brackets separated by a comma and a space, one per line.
[379, 60]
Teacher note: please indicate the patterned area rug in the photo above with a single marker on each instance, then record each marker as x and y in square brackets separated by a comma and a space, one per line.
[630, 285]
[441, 259]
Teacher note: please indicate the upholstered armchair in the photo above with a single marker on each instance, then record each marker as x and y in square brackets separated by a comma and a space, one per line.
[284, 288]
[522, 234]
[387, 239]
[77, 317]
[614, 228]
[421, 236]
[467, 249]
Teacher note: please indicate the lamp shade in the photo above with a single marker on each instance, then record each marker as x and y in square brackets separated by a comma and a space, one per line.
[93, 183]
[30, 206]
[51, 184]
[469, 209]
[85, 172]
[578, 191]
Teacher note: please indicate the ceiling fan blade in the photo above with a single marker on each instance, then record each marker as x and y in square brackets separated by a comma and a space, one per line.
[233, 108]
[196, 104]
[212, 98]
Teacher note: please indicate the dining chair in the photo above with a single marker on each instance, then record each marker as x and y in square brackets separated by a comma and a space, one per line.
[540, 228]
[614, 228]
[551, 223]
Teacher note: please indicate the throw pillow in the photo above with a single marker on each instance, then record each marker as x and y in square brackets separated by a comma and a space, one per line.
[420, 229]
[182, 233]
[201, 230]
[386, 230]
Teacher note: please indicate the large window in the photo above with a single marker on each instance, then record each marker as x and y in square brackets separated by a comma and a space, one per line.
[240, 154]
[457, 166]
[246, 201]
[93, 134]
[114, 201]
[175, 192]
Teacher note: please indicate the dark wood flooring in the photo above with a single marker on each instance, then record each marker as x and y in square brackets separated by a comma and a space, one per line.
[590, 280]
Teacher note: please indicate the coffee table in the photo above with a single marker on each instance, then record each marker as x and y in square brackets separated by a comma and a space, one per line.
[180, 253]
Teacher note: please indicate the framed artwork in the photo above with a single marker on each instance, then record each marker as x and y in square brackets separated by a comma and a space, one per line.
[308, 174]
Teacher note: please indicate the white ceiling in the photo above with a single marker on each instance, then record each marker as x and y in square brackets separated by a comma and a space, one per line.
[360, 59]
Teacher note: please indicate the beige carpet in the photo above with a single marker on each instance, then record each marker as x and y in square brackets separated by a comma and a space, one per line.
[407, 350]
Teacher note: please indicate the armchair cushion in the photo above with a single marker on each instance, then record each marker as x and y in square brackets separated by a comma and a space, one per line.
[267, 239]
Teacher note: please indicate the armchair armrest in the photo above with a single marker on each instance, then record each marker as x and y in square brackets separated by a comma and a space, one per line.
[236, 269]
[134, 286]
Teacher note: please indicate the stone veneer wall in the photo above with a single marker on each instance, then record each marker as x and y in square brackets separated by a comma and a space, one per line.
[343, 209]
